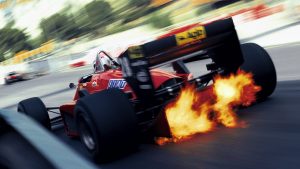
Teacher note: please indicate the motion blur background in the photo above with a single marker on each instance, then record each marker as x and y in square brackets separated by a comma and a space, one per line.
[41, 36]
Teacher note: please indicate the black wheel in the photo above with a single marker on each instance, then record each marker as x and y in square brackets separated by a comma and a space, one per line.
[7, 82]
[87, 136]
[259, 62]
[36, 109]
[107, 124]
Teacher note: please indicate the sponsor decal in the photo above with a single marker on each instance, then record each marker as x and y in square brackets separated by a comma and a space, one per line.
[116, 83]
[135, 52]
[190, 35]
[94, 84]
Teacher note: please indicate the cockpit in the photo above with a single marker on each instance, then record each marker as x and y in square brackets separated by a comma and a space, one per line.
[104, 62]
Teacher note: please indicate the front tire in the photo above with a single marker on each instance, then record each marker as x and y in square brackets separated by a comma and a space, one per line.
[259, 63]
[36, 109]
[107, 124]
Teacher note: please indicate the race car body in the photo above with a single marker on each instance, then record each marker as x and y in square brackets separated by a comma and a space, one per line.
[113, 79]
[124, 100]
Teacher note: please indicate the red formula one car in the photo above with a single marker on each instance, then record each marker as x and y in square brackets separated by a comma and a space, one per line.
[123, 101]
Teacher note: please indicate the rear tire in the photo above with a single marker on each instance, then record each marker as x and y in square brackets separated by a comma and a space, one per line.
[259, 62]
[36, 109]
[107, 124]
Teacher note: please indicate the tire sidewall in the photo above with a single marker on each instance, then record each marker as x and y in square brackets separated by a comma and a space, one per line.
[81, 114]
[258, 62]
[112, 121]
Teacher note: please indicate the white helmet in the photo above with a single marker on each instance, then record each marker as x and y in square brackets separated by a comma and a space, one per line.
[102, 62]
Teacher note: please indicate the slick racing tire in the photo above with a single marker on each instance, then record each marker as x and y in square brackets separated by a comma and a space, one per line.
[107, 124]
[259, 62]
[36, 109]
[7, 82]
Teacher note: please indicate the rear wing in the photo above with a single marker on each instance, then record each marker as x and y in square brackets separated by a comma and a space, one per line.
[218, 40]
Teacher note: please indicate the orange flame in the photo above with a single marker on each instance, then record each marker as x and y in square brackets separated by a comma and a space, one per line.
[199, 112]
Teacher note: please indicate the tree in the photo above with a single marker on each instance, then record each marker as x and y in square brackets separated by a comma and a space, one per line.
[13, 40]
[37, 41]
[139, 3]
[160, 20]
[59, 26]
[2, 58]
[99, 14]
[136, 9]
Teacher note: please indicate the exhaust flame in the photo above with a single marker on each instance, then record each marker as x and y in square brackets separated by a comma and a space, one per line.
[199, 112]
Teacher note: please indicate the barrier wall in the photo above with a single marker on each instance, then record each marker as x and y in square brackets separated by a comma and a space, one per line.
[4, 70]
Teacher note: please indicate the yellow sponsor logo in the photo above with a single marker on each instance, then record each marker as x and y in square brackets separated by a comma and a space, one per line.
[191, 35]
[135, 52]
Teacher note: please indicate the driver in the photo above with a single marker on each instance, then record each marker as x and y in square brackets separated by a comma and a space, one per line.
[102, 62]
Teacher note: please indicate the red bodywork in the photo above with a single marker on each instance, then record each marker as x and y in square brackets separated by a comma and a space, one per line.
[100, 81]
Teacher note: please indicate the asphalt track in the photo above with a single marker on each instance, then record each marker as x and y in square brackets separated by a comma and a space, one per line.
[270, 140]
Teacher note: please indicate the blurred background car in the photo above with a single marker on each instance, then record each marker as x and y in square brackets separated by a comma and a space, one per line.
[13, 77]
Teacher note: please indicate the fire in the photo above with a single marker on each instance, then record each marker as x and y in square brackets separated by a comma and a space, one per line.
[200, 111]
[184, 119]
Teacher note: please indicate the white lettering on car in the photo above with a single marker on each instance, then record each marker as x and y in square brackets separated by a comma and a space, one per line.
[116, 83]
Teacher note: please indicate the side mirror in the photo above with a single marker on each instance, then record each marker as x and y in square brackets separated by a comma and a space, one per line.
[72, 85]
